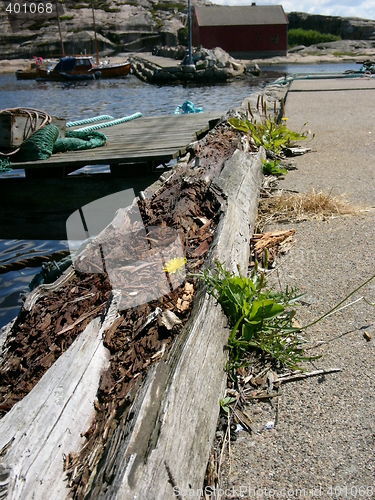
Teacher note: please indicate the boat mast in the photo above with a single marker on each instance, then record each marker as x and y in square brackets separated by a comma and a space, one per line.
[96, 40]
[58, 22]
[190, 59]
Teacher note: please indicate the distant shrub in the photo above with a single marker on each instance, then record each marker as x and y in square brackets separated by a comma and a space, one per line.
[169, 6]
[183, 36]
[300, 36]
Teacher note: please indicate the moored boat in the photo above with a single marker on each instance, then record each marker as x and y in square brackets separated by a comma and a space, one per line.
[31, 72]
[113, 70]
[82, 68]
[27, 74]
[74, 67]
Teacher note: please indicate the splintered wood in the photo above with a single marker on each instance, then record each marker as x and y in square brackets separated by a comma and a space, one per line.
[274, 241]
[41, 335]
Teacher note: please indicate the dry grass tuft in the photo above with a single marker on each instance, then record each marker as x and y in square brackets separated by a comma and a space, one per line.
[287, 206]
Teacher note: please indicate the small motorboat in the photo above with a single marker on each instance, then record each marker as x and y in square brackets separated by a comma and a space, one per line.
[81, 68]
[113, 70]
[68, 67]
[31, 72]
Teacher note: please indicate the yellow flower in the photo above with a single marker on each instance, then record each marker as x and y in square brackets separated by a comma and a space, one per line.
[285, 119]
[174, 265]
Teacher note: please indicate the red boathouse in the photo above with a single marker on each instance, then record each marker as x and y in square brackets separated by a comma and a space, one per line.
[252, 31]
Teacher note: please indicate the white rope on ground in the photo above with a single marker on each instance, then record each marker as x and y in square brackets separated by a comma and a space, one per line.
[89, 120]
[111, 123]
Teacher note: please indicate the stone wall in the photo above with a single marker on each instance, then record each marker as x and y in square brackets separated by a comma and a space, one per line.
[215, 64]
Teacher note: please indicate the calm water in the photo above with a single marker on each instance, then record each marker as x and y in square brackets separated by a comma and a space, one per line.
[77, 100]
[311, 68]
[120, 97]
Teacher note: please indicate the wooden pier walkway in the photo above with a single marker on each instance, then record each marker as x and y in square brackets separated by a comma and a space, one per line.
[151, 141]
[158, 61]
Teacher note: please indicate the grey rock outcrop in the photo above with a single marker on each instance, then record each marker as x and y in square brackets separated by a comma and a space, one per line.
[121, 27]
[349, 28]
[353, 48]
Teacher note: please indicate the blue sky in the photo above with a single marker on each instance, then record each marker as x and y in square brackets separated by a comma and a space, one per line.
[343, 8]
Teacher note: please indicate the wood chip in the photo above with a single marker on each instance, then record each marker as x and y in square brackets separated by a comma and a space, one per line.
[367, 336]
[244, 419]
[201, 250]
[169, 320]
[270, 240]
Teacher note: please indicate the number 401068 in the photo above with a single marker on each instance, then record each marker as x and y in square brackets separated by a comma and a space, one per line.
[29, 8]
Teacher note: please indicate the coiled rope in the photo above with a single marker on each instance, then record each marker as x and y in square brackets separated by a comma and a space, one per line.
[89, 120]
[111, 123]
[75, 140]
[35, 261]
[35, 120]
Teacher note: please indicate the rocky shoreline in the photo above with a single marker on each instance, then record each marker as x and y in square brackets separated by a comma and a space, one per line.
[331, 52]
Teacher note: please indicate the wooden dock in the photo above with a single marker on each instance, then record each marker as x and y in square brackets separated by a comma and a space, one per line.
[158, 61]
[149, 141]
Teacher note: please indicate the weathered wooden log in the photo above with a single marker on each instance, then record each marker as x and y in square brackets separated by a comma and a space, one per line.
[162, 452]
[161, 447]
[48, 423]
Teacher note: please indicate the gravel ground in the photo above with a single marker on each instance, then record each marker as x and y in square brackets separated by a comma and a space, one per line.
[323, 443]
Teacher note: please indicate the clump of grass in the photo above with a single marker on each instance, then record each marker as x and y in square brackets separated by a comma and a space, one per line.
[270, 132]
[299, 36]
[272, 167]
[261, 318]
[287, 206]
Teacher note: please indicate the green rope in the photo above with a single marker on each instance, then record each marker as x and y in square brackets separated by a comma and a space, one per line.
[5, 166]
[110, 124]
[46, 141]
[89, 120]
[39, 146]
[76, 140]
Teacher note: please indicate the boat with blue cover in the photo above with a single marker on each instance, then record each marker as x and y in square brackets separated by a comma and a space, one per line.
[82, 68]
